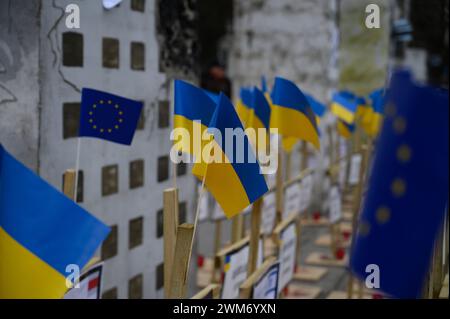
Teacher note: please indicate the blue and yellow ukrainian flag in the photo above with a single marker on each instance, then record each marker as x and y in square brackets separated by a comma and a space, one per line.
[344, 129]
[372, 120]
[193, 107]
[318, 108]
[344, 106]
[108, 116]
[41, 233]
[259, 117]
[234, 185]
[407, 196]
[244, 105]
[292, 114]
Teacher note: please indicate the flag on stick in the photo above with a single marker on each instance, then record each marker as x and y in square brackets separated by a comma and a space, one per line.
[234, 182]
[41, 233]
[292, 114]
[193, 107]
[408, 189]
[108, 117]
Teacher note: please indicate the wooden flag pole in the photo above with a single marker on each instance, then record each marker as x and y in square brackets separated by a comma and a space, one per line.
[303, 167]
[77, 169]
[69, 183]
[254, 236]
[182, 254]
[331, 171]
[279, 186]
[356, 206]
[170, 225]
[236, 228]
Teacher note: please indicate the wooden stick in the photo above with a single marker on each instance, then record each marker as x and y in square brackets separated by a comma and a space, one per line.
[77, 170]
[236, 228]
[170, 224]
[254, 236]
[69, 183]
[182, 253]
[356, 206]
[212, 290]
[279, 186]
[332, 172]
[303, 167]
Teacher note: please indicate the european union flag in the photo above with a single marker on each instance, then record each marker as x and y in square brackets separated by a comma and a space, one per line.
[408, 189]
[108, 117]
[41, 233]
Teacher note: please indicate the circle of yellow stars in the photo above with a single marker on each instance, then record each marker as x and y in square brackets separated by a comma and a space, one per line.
[398, 186]
[108, 129]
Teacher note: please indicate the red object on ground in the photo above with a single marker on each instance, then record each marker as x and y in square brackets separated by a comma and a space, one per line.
[340, 253]
[346, 234]
[316, 215]
[200, 261]
[377, 296]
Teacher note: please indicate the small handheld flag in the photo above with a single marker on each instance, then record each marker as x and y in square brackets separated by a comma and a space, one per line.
[233, 183]
[42, 232]
[192, 104]
[244, 105]
[259, 117]
[292, 114]
[372, 120]
[344, 106]
[108, 117]
[408, 189]
[344, 129]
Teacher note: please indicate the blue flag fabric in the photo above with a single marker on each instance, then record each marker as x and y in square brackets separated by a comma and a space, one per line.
[108, 117]
[407, 191]
[41, 233]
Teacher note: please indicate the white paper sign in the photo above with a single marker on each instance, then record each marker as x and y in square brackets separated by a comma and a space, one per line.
[235, 271]
[287, 256]
[342, 172]
[306, 192]
[268, 214]
[89, 284]
[267, 285]
[203, 212]
[271, 180]
[335, 205]
[355, 164]
[291, 200]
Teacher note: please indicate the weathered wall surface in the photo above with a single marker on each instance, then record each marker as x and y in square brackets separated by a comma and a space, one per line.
[19, 74]
[61, 84]
[289, 38]
[363, 52]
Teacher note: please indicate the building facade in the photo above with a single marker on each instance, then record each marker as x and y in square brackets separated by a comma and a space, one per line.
[44, 66]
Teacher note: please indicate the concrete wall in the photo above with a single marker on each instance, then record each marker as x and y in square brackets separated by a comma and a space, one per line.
[19, 73]
[363, 52]
[57, 154]
[289, 38]
[32, 76]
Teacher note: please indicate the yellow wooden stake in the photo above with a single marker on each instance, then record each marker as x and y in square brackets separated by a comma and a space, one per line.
[69, 183]
[178, 283]
[254, 236]
[170, 224]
